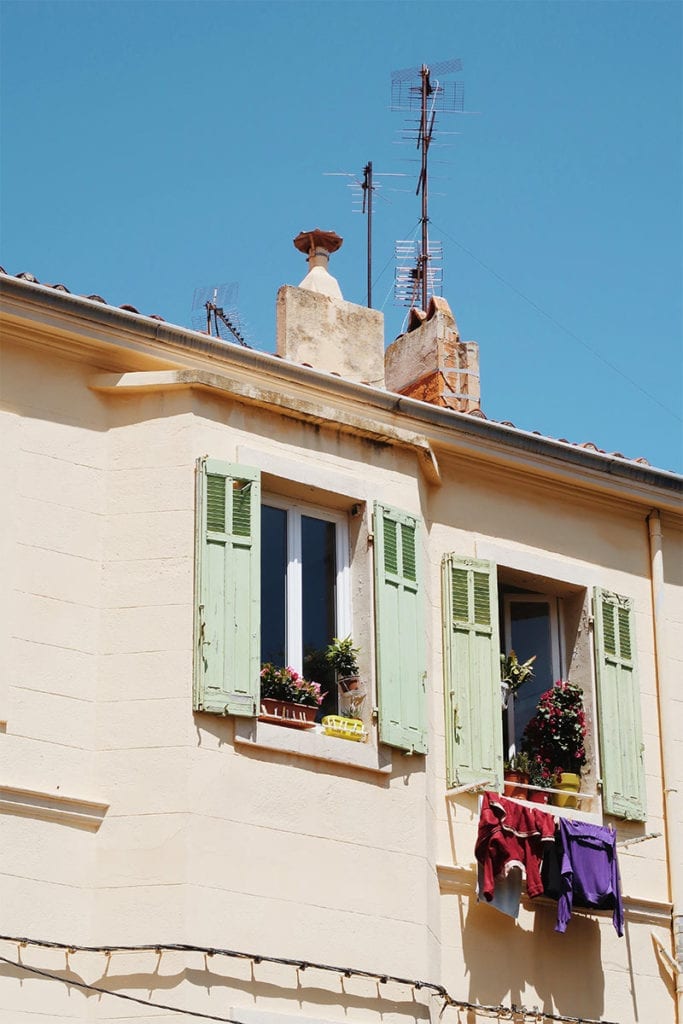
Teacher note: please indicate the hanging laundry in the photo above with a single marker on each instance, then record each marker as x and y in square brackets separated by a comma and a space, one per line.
[510, 842]
[583, 871]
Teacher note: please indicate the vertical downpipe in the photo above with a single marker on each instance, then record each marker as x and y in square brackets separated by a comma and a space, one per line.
[673, 804]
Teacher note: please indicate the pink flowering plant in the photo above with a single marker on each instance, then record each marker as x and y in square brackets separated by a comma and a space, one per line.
[287, 685]
[555, 738]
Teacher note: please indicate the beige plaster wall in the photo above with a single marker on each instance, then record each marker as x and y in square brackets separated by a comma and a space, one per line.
[208, 841]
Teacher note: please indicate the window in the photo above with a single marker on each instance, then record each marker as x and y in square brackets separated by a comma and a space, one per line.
[530, 626]
[304, 589]
[483, 603]
[273, 582]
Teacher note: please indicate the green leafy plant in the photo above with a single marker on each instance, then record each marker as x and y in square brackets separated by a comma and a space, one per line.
[520, 763]
[286, 684]
[515, 673]
[342, 656]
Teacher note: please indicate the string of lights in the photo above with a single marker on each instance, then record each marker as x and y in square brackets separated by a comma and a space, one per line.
[511, 1012]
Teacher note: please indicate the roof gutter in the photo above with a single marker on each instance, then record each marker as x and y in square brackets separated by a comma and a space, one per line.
[20, 295]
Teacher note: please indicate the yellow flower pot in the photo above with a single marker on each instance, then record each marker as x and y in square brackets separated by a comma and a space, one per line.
[569, 783]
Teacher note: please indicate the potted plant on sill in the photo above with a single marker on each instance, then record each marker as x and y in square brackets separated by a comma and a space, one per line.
[342, 656]
[542, 777]
[287, 698]
[556, 736]
[513, 674]
[517, 771]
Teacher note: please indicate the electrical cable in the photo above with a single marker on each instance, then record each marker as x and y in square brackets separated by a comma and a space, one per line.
[553, 320]
[256, 958]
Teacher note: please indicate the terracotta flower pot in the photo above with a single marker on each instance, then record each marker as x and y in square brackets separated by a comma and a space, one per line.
[512, 790]
[538, 796]
[287, 711]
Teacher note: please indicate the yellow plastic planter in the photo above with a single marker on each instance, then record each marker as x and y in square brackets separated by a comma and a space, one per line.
[344, 728]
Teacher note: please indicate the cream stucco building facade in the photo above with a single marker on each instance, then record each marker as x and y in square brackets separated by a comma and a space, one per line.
[132, 816]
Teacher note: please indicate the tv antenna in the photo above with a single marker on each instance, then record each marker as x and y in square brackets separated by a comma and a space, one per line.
[362, 195]
[215, 313]
[421, 90]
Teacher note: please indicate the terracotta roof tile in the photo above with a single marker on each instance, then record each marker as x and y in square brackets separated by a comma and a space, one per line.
[25, 276]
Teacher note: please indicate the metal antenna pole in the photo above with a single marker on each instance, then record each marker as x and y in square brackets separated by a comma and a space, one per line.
[424, 139]
[367, 207]
[413, 90]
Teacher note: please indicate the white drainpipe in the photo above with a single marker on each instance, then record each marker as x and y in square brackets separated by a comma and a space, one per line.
[668, 727]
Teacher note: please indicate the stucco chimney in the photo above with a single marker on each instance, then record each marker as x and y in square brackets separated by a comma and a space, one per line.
[431, 363]
[317, 327]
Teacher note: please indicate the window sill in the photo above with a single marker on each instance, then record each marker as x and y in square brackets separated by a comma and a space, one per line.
[251, 733]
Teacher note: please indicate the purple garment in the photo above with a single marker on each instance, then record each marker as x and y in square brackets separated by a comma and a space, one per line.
[589, 870]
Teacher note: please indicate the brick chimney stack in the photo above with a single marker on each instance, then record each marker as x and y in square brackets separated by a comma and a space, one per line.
[431, 363]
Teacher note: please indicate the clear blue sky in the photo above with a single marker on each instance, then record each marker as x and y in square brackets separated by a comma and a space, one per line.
[148, 148]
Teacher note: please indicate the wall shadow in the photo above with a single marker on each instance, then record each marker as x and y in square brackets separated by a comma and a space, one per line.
[502, 958]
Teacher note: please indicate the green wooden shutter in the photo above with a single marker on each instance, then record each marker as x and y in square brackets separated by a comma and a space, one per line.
[474, 724]
[621, 740]
[226, 676]
[401, 669]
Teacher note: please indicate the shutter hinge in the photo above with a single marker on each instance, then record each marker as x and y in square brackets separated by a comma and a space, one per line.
[375, 714]
[591, 621]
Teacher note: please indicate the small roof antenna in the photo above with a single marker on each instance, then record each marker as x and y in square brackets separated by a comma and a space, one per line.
[214, 312]
[363, 191]
[421, 90]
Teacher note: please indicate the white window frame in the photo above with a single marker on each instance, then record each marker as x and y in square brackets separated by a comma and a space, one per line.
[293, 612]
[556, 649]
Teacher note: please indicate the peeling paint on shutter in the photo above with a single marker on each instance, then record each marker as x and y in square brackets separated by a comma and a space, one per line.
[400, 631]
[226, 669]
[621, 740]
[471, 653]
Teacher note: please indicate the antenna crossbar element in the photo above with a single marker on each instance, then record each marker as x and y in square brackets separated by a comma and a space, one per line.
[444, 98]
[210, 315]
[415, 89]
[442, 67]
[412, 272]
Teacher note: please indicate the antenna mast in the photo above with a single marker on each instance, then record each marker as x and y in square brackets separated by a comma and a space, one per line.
[430, 97]
[367, 208]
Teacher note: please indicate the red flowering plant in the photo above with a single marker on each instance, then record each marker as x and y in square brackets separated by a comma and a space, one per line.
[286, 684]
[555, 737]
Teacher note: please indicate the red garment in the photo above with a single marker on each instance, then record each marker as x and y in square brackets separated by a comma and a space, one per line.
[511, 835]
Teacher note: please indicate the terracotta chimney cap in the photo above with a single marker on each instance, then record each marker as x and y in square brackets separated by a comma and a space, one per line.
[308, 241]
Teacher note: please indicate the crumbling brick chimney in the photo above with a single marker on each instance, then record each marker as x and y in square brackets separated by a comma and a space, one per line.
[431, 363]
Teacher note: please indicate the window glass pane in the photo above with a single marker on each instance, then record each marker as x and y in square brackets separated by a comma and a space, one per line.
[319, 574]
[273, 585]
[530, 634]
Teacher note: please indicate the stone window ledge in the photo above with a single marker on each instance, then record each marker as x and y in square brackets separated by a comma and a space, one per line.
[309, 743]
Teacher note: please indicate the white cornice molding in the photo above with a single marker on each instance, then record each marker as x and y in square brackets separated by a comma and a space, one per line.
[31, 803]
[280, 400]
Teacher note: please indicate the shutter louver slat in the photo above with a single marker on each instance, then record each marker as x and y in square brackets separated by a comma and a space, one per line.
[482, 601]
[390, 546]
[609, 632]
[408, 552]
[215, 504]
[241, 508]
[624, 634]
[459, 602]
